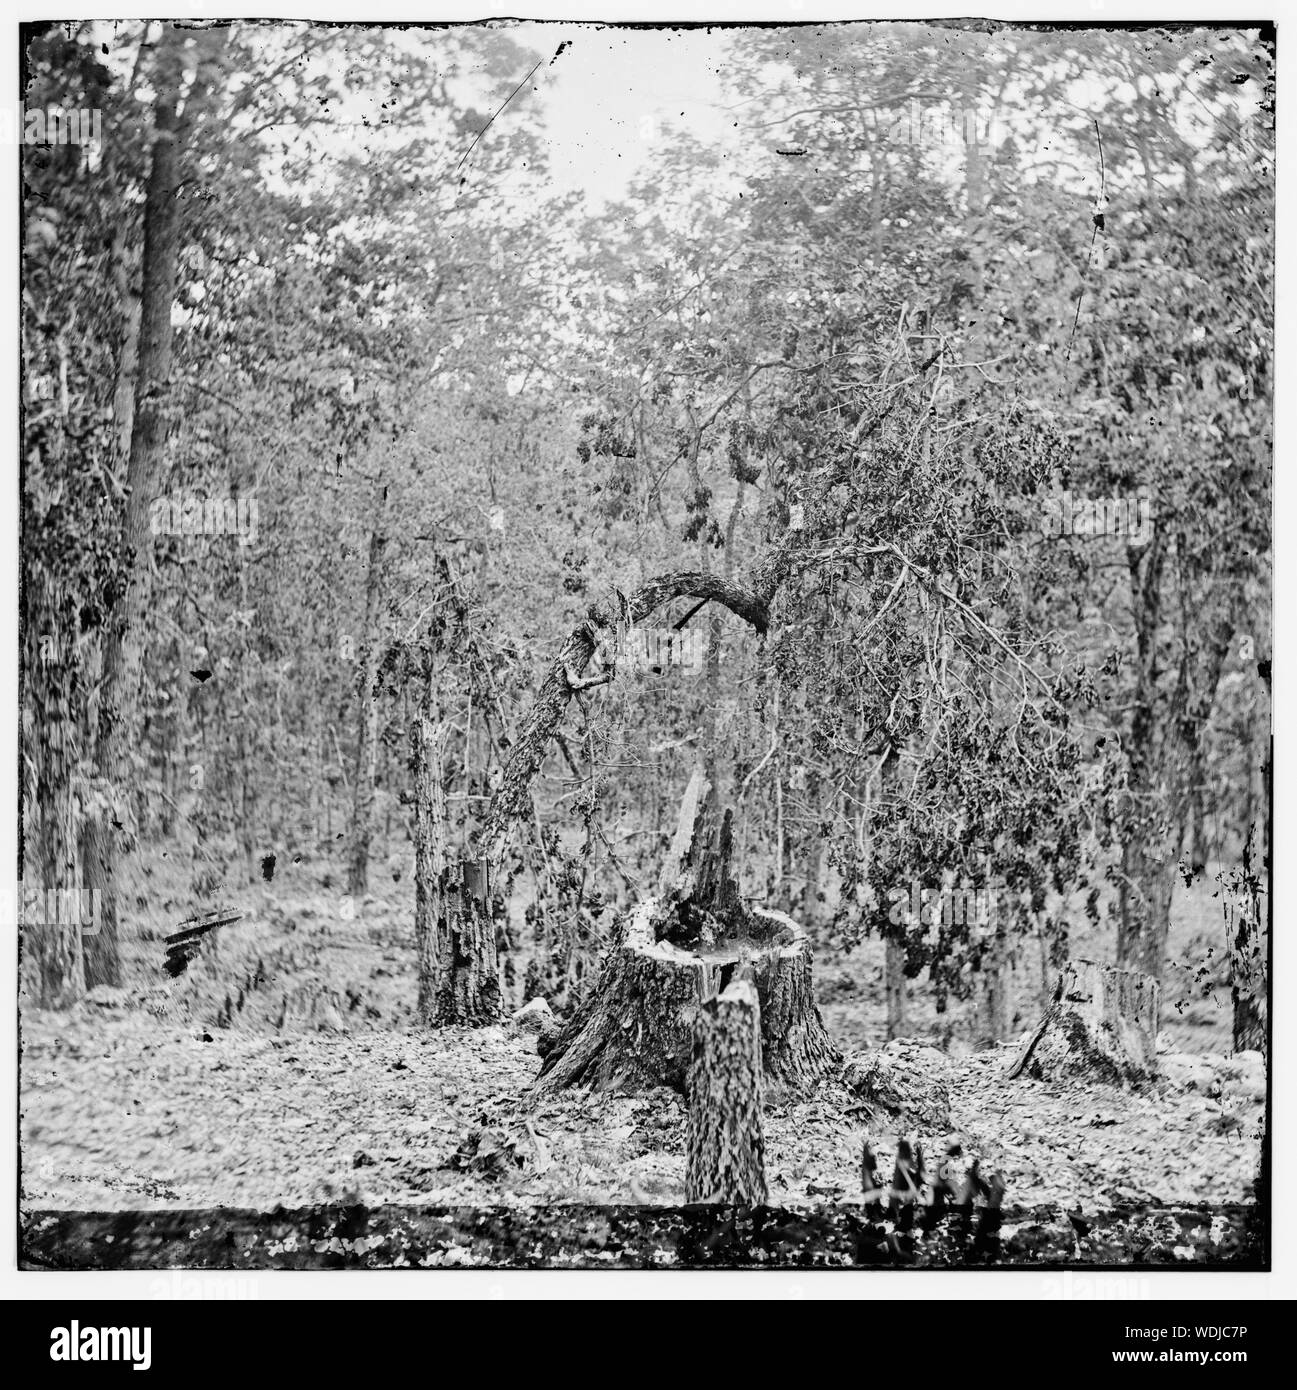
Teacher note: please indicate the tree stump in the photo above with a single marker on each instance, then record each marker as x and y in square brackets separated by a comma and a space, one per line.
[1102, 1025]
[726, 1150]
[683, 946]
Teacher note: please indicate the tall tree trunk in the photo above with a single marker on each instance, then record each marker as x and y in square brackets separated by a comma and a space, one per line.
[123, 651]
[51, 740]
[895, 987]
[462, 979]
[55, 939]
[814, 852]
[1164, 743]
[429, 849]
[1144, 882]
[367, 734]
[997, 993]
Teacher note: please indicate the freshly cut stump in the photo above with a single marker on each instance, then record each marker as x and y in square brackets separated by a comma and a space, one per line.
[636, 1030]
[1102, 1025]
[683, 946]
[726, 1150]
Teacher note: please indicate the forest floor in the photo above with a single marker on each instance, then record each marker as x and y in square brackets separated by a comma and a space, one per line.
[281, 1069]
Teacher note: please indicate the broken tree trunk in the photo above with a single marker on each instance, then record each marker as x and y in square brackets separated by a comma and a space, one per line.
[679, 948]
[463, 985]
[726, 1150]
[1102, 1024]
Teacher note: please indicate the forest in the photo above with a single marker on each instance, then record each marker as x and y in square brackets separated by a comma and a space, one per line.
[645, 646]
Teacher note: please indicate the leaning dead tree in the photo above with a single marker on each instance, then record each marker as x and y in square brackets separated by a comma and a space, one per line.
[680, 948]
[726, 1149]
[1102, 1024]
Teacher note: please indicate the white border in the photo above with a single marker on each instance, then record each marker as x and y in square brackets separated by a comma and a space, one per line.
[405, 1285]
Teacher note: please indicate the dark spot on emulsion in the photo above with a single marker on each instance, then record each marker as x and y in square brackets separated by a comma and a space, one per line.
[268, 867]
[202, 675]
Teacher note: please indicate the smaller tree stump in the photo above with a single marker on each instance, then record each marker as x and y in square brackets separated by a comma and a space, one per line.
[726, 1162]
[1102, 1025]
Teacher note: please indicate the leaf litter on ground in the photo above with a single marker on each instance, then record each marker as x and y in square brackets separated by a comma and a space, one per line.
[122, 1110]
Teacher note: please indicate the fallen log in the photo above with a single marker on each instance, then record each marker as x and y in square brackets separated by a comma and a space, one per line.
[186, 942]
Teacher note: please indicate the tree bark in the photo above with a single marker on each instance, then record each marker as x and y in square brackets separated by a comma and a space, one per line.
[1164, 742]
[636, 1030]
[464, 979]
[726, 1148]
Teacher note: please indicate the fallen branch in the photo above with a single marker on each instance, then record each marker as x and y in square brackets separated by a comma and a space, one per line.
[184, 945]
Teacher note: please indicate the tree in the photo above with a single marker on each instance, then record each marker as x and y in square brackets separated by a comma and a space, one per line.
[70, 572]
[123, 645]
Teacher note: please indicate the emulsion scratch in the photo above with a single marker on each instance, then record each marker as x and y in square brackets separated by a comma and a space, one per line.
[500, 108]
